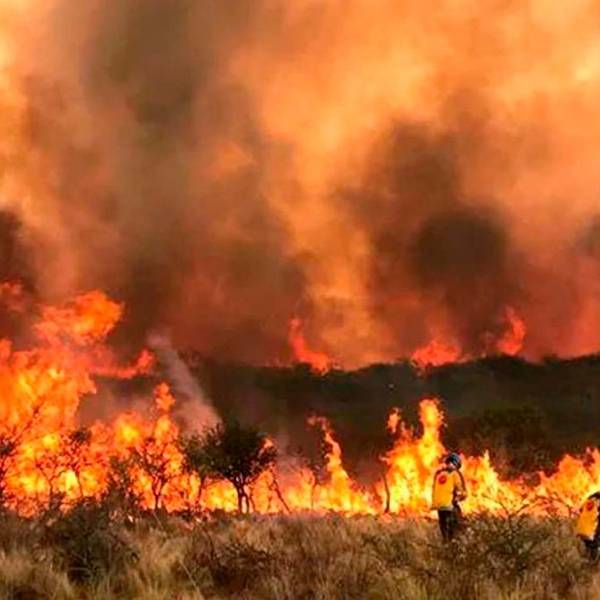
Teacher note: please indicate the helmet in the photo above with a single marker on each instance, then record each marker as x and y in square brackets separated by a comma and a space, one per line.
[454, 459]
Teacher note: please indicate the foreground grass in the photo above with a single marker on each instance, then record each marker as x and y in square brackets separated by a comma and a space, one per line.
[86, 555]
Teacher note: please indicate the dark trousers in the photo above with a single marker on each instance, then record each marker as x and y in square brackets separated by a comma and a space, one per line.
[591, 549]
[592, 546]
[449, 521]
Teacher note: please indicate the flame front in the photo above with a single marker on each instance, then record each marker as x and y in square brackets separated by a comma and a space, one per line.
[440, 351]
[45, 457]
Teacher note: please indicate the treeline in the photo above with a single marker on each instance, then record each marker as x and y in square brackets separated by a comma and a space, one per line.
[526, 414]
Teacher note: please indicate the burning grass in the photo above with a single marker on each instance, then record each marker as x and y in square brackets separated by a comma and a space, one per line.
[82, 555]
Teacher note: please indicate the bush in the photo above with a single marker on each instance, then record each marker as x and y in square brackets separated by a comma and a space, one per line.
[501, 554]
[17, 532]
[23, 577]
[234, 565]
[86, 544]
[86, 555]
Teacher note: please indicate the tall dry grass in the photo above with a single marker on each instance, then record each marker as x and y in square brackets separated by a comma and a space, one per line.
[307, 557]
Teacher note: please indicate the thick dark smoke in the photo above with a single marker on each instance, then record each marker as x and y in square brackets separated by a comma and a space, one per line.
[147, 205]
[462, 260]
[452, 253]
[225, 167]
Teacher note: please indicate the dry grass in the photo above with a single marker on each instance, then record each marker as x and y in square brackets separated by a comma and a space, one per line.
[301, 557]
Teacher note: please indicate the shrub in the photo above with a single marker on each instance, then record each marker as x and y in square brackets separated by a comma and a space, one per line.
[502, 554]
[233, 564]
[17, 532]
[86, 544]
[232, 452]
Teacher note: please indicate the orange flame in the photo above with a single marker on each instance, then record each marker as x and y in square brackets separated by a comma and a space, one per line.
[435, 354]
[319, 361]
[46, 458]
[511, 342]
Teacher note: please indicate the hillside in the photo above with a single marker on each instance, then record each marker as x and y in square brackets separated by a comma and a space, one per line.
[527, 414]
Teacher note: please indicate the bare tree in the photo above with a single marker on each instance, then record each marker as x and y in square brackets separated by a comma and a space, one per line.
[75, 454]
[50, 465]
[154, 460]
[11, 438]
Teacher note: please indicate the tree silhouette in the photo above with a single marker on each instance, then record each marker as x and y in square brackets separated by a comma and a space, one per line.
[153, 459]
[195, 461]
[232, 452]
[75, 452]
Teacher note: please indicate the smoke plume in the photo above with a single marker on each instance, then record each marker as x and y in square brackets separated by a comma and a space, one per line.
[385, 172]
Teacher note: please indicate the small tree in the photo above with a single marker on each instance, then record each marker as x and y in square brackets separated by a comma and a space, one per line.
[121, 494]
[235, 453]
[8, 450]
[153, 458]
[195, 461]
[75, 451]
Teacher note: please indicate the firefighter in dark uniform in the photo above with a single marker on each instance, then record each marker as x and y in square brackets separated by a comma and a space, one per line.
[448, 491]
[588, 525]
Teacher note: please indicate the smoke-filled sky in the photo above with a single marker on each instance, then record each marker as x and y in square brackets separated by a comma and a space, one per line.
[390, 172]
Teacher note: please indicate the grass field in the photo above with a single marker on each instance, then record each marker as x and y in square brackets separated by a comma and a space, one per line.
[87, 555]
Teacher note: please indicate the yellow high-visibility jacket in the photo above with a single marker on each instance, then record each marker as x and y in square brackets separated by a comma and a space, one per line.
[587, 522]
[448, 487]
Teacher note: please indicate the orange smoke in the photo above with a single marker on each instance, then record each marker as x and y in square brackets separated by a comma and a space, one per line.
[290, 153]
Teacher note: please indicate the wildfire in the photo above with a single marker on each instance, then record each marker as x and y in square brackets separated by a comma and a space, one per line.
[511, 342]
[435, 354]
[47, 458]
[318, 361]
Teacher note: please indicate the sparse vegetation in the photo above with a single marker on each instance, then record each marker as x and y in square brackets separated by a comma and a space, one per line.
[84, 554]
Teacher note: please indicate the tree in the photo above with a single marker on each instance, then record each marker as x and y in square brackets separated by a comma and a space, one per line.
[8, 449]
[121, 494]
[235, 453]
[153, 458]
[195, 460]
[12, 437]
[516, 436]
[75, 452]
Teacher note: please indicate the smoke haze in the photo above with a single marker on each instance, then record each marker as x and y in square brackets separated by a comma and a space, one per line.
[389, 172]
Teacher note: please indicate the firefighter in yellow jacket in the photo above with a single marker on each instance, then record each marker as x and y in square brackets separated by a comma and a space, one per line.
[588, 525]
[448, 491]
